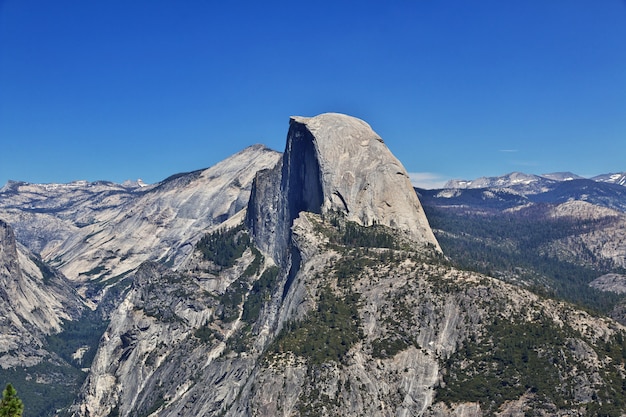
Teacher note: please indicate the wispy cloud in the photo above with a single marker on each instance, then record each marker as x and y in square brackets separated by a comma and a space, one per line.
[427, 180]
[508, 150]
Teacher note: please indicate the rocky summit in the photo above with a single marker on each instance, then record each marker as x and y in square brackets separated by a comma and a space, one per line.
[302, 284]
[335, 163]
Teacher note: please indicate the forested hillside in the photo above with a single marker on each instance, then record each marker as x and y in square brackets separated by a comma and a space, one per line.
[528, 244]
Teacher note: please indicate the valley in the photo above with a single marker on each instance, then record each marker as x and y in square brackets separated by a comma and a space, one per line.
[316, 281]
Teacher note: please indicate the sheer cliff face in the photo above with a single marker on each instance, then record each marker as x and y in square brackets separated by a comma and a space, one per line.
[34, 300]
[336, 163]
[359, 176]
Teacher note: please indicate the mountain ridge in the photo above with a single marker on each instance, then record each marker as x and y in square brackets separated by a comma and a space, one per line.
[531, 182]
[311, 283]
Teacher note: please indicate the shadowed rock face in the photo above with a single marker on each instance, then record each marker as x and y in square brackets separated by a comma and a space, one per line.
[34, 301]
[335, 163]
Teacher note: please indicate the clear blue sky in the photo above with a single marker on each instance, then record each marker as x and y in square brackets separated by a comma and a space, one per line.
[133, 89]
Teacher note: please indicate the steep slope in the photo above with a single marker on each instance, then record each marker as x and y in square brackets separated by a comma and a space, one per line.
[163, 223]
[96, 233]
[334, 163]
[345, 310]
[35, 303]
[360, 330]
[34, 300]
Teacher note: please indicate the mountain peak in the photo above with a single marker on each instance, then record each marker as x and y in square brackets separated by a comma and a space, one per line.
[337, 163]
[562, 176]
[612, 178]
[338, 126]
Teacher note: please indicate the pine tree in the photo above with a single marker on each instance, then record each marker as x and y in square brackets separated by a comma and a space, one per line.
[11, 405]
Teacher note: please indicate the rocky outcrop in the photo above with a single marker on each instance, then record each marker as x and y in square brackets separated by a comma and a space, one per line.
[99, 231]
[335, 300]
[164, 222]
[34, 301]
[357, 319]
[603, 240]
[610, 282]
[359, 331]
[334, 163]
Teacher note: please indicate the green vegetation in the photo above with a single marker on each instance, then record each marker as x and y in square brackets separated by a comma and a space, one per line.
[352, 234]
[224, 247]
[255, 266]
[514, 244]
[231, 300]
[45, 387]
[11, 405]
[388, 347]
[515, 358]
[241, 341]
[206, 334]
[52, 384]
[346, 235]
[158, 403]
[46, 271]
[95, 271]
[85, 332]
[62, 379]
[327, 333]
[259, 294]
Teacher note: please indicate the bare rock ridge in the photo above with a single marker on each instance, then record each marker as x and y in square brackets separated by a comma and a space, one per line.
[34, 300]
[101, 231]
[334, 163]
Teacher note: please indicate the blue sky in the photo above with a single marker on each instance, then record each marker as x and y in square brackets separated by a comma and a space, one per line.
[133, 89]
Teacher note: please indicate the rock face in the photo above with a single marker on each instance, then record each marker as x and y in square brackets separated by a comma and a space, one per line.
[352, 333]
[100, 231]
[336, 301]
[34, 300]
[335, 163]
[610, 282]
[329, 296]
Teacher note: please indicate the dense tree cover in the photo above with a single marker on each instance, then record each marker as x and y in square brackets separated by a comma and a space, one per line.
[44, 399]
[224, 247]
[11, 405]
[259, 294]
[52, 385]
[206, 334]
[514, 358]
[83, 333]
[513, 244]
[327, 332]
[352, 234]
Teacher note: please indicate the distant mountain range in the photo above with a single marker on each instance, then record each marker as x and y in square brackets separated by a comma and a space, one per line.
[530, 183]
[516, 188]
